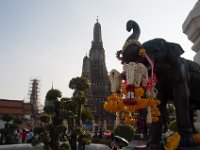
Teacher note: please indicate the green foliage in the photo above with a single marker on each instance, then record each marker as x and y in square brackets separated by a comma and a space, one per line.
[40, 136]
[38, 130]
[86, 114]
[64, 146]
[53, 94]
[125, 131]
[81, 99]
[13, 127]
[68, 105]
[173, 126]
[45, 138]
[48, 109]
[7, 117]
[86, 138]
[45, 118]
[10, 126]
[68, 109]
[10, 139]
[60, 129]
[35, 141]
[3, 131]
[17, 121]
[79, 83]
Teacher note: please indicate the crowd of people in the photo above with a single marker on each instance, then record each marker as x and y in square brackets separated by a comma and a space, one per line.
[24, 135]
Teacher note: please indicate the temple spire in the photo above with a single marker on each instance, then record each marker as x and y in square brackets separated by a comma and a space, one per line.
[52, 85]
[97, 19]
[97, 32]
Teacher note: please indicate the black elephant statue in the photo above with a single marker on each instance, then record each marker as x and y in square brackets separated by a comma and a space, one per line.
[178, 80]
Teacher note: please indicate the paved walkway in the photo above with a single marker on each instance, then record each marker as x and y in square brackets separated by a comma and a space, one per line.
[96, 147]
[39, 147]
[19, 147]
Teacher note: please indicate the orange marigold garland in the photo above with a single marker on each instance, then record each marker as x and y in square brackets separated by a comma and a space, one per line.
[172, 141]
[113, 103]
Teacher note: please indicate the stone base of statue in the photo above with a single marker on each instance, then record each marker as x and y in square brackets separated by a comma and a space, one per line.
[189, 148]
[138, 143]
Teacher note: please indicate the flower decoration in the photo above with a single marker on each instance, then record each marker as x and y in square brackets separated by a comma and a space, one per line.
[151, 82]
[130, 87]
[142, 51]
[139, 92]
[130, 120]
[113, 103]
[172, 141]
[133, 91]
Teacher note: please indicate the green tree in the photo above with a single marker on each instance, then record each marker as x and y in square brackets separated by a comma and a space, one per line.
[52, 120]
[11, 125]
[7, 118]
[80, 86]
[60, 109]
[86, 115]
[125, 131]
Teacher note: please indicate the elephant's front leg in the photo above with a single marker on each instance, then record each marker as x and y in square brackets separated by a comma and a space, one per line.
[181, 101]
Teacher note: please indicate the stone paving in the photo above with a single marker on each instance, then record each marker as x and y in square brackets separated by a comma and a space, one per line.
[20, 147]
[92, 146]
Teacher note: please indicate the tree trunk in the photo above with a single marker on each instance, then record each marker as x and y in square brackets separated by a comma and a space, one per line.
[54, 138]
[72, 142]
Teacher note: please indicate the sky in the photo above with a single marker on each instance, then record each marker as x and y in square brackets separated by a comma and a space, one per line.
[48, 39]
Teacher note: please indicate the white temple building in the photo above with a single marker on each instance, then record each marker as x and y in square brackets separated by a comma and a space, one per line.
[191, 27]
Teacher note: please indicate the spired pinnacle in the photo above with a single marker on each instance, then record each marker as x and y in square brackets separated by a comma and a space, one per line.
[97, 19]
[52, 85]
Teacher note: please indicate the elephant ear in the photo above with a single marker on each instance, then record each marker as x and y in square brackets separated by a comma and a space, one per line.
[176, 49]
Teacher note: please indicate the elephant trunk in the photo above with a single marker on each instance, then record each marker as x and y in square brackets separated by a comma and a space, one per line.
[136, 30]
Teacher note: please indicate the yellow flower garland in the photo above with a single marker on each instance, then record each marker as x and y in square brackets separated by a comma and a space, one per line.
[139, 92]
[113, 103]
[172, 142]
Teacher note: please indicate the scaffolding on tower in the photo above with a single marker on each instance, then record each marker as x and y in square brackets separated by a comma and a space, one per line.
[34, 96]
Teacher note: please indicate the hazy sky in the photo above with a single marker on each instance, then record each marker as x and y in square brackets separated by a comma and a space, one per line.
[47, 39]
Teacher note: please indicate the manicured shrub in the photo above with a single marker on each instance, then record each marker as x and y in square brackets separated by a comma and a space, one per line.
[125, 131]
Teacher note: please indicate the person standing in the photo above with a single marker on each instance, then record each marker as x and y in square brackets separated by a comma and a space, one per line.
[23, 135]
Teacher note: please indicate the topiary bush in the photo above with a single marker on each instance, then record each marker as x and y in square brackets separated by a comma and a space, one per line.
[125, 131]
[64, 146]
